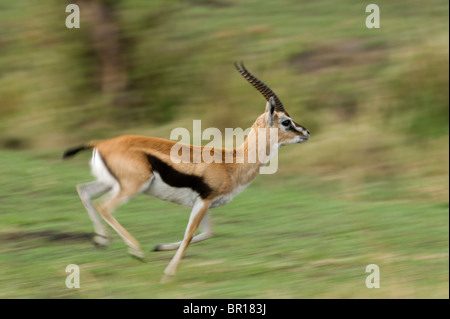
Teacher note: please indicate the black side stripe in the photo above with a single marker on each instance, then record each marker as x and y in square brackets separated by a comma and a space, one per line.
[175, 178]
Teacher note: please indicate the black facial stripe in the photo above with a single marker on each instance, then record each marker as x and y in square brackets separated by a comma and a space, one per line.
[175, 178]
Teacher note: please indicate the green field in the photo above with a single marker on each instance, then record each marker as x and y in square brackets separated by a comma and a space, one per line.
[371, 186]
[284, 237]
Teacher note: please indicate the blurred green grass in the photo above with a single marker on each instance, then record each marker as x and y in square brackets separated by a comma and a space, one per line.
[180, 55]
[284, 237]
[371, 185]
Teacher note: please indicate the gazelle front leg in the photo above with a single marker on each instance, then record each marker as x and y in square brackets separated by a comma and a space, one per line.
[198, 211]
[206, 232]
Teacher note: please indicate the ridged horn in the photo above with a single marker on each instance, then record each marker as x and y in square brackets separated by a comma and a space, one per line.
[260, 86]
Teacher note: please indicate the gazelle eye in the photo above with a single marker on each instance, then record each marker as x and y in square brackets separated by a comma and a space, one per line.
[286, 123]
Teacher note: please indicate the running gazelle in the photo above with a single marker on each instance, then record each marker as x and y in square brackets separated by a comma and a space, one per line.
[128, 165]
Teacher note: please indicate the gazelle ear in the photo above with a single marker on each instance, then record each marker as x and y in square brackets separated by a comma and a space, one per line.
[270, 109]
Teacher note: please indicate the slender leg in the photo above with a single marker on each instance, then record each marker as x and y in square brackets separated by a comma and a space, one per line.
[87, 192]
[206, 232]
[105, 210]
[198, 211]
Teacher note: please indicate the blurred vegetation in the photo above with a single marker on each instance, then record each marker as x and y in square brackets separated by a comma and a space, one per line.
[375, 100]
[135, 65]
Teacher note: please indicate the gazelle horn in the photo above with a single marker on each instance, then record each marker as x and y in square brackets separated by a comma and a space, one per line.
[260, 86]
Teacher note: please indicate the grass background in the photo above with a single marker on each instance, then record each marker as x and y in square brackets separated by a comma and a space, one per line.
[369, 187]
[286, 236]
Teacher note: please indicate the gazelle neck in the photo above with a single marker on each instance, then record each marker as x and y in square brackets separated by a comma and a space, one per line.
[259, 146]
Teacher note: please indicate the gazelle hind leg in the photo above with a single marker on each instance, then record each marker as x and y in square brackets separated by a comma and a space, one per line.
[107, 208]
[206, 232]
[198, 211]
[87, 193]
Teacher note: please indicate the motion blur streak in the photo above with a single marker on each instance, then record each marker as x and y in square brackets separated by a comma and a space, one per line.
[371, 186]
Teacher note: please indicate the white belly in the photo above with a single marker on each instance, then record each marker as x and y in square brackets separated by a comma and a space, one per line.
[181, 195]
[184, 195]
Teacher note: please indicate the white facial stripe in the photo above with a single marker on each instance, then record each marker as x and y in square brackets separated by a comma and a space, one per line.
[299, 128]
[303, 131]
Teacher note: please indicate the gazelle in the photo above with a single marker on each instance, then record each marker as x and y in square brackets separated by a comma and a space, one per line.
[128, 165]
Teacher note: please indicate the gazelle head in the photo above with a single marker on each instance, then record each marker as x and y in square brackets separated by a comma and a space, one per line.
[275, 116]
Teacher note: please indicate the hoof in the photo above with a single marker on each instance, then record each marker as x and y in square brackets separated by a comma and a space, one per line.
[167, 278]
[135, 253]
[157, 248]
[170, 271]
[101, 241]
